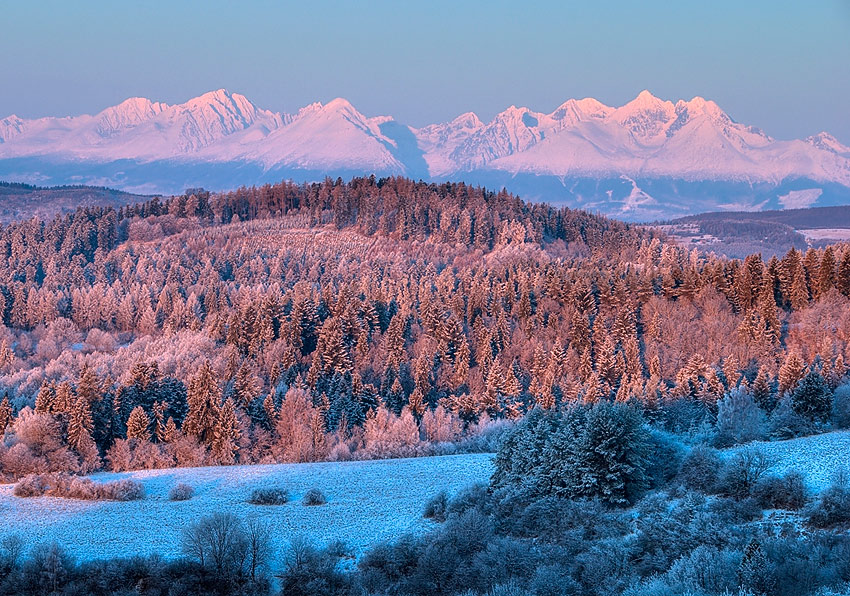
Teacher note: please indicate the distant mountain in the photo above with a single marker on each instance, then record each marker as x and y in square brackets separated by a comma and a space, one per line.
[22, 201]
[647, 159]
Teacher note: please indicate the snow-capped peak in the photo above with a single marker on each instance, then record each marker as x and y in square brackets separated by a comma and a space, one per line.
[827, 142]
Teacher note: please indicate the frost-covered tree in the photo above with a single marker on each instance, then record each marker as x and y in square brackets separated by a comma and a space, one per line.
[812, 398]
[203, 396]
[138, 425]
[739, 419]
[226, 435]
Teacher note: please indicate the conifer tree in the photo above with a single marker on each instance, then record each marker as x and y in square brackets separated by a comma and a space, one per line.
[791, 371]
[203, 396]
[811, 398]
[80, 422]
[5, 415]
[225, 443]
[138, 425]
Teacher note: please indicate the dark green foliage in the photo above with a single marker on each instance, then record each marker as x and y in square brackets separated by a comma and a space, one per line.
[812, 398]
[586, 452]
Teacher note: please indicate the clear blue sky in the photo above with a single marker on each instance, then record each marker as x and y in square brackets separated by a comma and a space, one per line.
[781, 65]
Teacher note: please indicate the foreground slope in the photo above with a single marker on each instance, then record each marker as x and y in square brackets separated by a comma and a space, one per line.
[368, 502]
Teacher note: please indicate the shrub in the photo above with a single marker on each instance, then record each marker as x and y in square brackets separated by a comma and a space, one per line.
[700, 469]
[314, 497]
[785, 492]
[436, 507]
[269, 496]
[831, 509]
[31, 485]
[742, 472]
[65, 486]
[181, 492]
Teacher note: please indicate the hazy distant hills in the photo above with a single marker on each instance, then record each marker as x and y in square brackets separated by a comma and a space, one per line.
[737, 234]
[22, 201]
[649, 159]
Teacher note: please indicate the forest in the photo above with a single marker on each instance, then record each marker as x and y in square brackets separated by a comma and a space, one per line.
[386, 317]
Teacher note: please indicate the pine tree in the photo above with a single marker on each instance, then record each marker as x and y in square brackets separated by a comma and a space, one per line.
[826, 271]
[761, 391]
[80, 423]
[5, 415]
[46, 398]
[88, 385]
[138, 425]
[245, 388]
[203, 396]
[225, 443]
[791, 371]
[753, 573]
[811, 398]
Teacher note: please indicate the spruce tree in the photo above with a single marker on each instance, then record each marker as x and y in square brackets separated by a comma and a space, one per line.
[5, 415]
[203, 396]
[80, 423]
[138, 425]
[225, 443]
[811, 398]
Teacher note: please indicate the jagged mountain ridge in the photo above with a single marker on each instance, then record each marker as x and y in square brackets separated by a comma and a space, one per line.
[584, 152]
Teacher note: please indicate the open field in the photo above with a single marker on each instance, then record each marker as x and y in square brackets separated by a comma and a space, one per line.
[368, 501]
[819, 458]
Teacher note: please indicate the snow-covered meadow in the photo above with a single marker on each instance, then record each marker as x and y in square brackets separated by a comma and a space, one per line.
[368, 501]
[819, 458]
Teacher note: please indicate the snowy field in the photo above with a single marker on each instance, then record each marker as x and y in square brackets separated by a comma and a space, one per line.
[819, 458]
[368, 502]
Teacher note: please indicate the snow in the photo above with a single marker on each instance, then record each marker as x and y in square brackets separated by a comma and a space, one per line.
[648, 136]
[800, 199]
[368, 502]
[819, 458]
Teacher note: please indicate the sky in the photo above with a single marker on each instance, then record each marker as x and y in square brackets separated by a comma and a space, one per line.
[783, 66]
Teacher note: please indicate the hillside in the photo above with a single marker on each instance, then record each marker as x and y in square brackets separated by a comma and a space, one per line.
[367, 502]
[23, 201]
[640, 161]
[739, 233]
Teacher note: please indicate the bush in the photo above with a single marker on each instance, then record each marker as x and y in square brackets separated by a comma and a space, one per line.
[742, 472]
[436, 507]
[314, 497]
[831, 509]
[700, 469]
[65, 486]
[30, 486]
[181, 492]
[269, 496]
[785, 492]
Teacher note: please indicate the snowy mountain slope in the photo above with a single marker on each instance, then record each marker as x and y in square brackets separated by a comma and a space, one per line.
[646, 158]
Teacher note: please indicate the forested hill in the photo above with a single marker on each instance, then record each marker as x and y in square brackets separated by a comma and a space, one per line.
[381, 308]
[23, 201]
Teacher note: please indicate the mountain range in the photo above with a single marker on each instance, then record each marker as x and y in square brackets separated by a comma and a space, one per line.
[648, 159]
